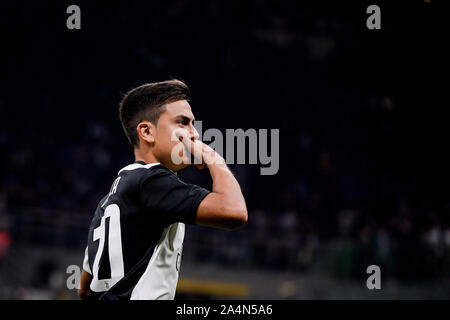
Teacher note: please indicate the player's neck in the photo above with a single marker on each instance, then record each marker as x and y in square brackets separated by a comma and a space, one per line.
[147, 157]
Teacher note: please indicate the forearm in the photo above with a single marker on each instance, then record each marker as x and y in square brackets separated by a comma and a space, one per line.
[85, 282]
[224, 183]
[225, 206]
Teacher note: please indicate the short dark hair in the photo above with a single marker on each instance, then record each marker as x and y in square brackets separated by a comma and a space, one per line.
[147, 102]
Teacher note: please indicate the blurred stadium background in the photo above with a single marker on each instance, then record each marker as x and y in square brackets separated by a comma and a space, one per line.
[362, 166]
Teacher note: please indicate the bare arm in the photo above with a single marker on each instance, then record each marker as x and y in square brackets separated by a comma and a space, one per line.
[85, 282]
[225, 206]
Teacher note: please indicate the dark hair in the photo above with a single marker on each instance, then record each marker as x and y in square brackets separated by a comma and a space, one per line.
[147, 102]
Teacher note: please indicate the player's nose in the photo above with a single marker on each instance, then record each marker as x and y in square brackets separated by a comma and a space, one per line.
[194, 134]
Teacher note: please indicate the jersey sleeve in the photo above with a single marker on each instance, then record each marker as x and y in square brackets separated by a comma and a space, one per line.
[86, 262]
[168, 199]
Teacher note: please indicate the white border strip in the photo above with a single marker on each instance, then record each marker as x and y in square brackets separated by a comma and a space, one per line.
[138, 165]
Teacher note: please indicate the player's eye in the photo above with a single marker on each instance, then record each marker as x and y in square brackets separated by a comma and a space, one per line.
[184, 122]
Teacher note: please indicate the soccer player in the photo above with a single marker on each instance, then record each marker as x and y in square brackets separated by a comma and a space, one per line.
[136, 236]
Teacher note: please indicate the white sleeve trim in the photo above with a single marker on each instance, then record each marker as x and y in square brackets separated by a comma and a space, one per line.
[86, 262]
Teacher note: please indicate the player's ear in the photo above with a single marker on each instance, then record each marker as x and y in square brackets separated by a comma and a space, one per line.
[146, 131]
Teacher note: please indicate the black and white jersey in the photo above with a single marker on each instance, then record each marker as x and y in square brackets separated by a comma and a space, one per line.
[136, 236]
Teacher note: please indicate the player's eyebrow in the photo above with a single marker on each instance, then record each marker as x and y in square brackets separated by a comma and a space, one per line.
[185, 117]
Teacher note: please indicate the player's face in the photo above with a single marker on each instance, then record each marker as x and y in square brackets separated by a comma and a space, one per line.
[178, 116]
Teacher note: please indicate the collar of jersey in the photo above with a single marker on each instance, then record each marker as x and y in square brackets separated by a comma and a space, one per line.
[137, 165]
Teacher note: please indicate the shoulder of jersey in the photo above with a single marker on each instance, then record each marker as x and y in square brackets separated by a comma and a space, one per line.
[145, 170]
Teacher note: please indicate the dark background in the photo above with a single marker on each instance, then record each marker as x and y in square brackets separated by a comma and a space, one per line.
[362, 118]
